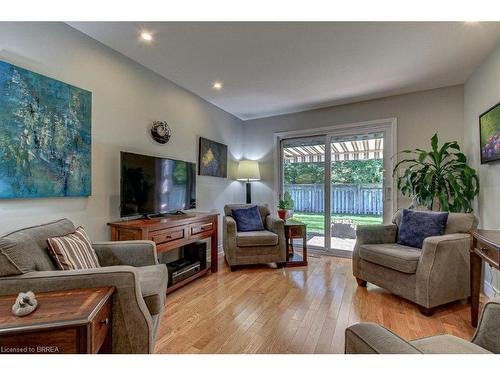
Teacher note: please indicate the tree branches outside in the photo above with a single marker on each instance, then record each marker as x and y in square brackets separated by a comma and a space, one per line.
[343, 172]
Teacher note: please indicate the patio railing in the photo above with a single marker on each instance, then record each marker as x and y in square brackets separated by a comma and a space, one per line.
[355, 199]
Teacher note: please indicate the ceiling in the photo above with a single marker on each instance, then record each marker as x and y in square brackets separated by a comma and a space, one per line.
[270, 68]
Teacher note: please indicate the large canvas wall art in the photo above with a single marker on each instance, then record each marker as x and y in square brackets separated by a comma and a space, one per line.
[489, 129]
[45, 136]
[212, 158]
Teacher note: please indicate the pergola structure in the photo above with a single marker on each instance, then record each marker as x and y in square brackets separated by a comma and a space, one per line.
[366, 149]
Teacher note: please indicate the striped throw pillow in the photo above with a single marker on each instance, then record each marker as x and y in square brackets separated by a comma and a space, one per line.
[73, 251]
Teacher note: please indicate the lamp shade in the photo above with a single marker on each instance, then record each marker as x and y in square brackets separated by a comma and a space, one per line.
[248, 170]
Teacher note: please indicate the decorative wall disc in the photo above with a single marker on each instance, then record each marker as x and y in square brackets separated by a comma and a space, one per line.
[161, 132]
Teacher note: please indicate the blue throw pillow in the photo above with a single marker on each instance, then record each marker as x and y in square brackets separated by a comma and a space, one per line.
[416, 226]
[247, 219]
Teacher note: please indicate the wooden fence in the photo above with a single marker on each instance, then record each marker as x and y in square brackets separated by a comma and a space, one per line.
[354, 199]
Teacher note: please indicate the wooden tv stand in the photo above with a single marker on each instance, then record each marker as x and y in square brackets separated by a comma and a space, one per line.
[171, 232]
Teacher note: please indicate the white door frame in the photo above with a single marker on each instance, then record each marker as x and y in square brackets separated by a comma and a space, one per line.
[388, 126]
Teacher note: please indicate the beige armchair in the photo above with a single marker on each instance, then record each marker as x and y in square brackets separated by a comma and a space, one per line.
[371, 338]
[244, 248]
[434, 275]
[130, 266]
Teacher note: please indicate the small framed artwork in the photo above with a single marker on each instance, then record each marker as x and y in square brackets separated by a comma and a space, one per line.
[489, 134]
[212, 158]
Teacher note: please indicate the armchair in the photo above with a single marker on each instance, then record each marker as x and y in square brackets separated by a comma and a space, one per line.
[244, 248]
[434, 275]
[371, 338]
[131, 266]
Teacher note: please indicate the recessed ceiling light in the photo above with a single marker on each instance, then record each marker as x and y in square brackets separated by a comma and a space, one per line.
[217, 85]
[146, 36]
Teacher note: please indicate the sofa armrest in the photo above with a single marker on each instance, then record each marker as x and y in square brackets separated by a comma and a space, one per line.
[488, 329]
[441, 243]
[443, 271]
[371, 234]
[371, 338]
[275, 225]
[229, 226]
[376, 233]
[229, 238]
[132, 327]
[127, 253]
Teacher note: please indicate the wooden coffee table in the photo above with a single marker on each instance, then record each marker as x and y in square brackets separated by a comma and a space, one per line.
[66, 321]
[295, 229]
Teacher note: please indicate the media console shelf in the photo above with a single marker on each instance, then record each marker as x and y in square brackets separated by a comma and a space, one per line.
[172, 232]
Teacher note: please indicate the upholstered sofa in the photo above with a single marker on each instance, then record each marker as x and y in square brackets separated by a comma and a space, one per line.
[131, 266]
[434, 275]
[244, 248]
[371, 338]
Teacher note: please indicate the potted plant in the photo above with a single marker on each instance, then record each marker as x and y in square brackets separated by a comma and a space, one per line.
[438, 179]
[285, 206]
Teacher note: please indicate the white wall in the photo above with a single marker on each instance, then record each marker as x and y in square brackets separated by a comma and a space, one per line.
[482, 91]
[126, 98]
[419, 115]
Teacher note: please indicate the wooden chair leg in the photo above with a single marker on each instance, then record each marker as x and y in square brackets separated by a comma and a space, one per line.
[361, 282]
[426, 310]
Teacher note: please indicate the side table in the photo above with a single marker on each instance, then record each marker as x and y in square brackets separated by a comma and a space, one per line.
[65, 321]
[485, 245]
[295, 229]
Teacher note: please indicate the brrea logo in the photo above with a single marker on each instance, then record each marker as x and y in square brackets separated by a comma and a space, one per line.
[47, 349]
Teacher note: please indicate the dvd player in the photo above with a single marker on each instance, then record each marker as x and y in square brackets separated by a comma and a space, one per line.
[182, 269]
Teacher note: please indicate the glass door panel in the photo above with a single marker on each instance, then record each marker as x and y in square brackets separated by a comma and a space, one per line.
[303, 168]
[357, 186]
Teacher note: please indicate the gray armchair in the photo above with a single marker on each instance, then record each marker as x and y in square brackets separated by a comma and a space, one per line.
[434, 275]
[244, 248]
[131, 266]
[371, 338]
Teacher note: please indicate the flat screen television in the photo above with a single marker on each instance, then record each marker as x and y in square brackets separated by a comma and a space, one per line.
[152, 185]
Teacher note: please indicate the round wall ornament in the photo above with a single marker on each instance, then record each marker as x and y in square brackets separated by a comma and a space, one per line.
[161, 132]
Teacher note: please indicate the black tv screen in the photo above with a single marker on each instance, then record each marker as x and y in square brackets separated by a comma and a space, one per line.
[152, 185]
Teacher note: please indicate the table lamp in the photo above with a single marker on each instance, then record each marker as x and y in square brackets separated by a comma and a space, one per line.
[248, 170]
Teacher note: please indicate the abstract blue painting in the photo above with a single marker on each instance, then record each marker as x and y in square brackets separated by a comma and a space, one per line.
[45, 136]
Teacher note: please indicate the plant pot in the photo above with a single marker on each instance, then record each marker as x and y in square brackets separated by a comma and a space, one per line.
[282, 214]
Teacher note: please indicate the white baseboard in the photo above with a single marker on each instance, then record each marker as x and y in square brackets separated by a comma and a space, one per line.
[489, 290]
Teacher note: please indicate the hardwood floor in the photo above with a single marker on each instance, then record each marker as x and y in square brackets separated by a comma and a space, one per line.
[259, 309]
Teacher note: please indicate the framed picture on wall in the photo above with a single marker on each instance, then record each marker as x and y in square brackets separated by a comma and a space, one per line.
[212, 158]
[489, 134]
[45, 136]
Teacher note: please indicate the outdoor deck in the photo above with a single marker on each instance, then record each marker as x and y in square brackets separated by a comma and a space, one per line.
[315, 228]
[336, 243]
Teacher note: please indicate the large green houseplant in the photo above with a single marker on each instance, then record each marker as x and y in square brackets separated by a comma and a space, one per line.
[438, 179]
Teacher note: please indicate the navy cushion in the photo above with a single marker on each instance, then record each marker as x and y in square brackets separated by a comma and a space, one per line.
[416, 226]
[247, 219]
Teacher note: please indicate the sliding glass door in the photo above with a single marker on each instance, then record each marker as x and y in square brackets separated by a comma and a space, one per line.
[339, 187]
[303, 165]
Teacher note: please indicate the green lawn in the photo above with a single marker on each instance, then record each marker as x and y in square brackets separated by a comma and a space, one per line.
[315, 222]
